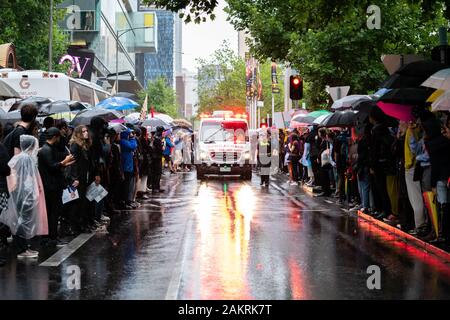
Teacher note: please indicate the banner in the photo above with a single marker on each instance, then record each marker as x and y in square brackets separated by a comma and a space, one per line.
[275, 88]
[260, 86]
[248, 75]
[144, 110]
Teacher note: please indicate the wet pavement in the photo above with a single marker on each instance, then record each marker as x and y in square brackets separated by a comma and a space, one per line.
[230, 239]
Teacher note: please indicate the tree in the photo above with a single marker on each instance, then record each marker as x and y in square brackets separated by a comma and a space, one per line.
[329, 42]
[221, 83]
[26, 24]
[161, 96]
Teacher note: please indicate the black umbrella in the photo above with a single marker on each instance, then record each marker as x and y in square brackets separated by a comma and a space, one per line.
[39, 102]
[84, 117]
[62, 106]
[408, 96]
[9, 117]
[412, 75]
[364, 108]
[155, 122]
[341, 119]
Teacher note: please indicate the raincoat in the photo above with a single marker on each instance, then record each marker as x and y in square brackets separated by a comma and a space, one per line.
[26, 215]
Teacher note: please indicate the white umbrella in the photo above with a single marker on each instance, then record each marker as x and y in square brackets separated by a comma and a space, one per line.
[348, 101]
[442, 103]
[164, 117]
[133, 117]
[439, 80]
[7, 92]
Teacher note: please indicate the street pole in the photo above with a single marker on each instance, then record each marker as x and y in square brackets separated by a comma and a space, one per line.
[117, 62]
[273, 107]
[50, 38]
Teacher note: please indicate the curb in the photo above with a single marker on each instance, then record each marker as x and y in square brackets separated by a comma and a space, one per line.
[407, 237]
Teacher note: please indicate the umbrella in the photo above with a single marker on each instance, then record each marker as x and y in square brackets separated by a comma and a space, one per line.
[310, 117]
[412, 75]
[183, 129]
[348, 101]
[435, 95]
[155, 122]
[439, 80]
[7, 92]
[133, 117]
[10, 117]
[408, 96]
[381, 92]
[442, 103]
[85, 116]
[127, 95]
[38, 101]
[166, 118]
[117, 103]
[320, 120]
[341, 119]
[61, 107]
[117, 127]
[397, 111]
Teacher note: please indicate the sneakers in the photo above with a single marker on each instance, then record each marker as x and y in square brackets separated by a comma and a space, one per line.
[27, 254]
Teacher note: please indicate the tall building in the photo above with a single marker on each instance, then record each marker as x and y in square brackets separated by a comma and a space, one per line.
[94, 26]
[167, 61]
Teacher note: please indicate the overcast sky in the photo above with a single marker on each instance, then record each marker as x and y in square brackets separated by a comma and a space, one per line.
[201, 40]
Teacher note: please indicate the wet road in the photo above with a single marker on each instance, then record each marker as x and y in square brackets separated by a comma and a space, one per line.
[231, 240]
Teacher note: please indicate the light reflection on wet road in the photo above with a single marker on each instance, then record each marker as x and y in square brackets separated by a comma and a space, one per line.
[234, 240]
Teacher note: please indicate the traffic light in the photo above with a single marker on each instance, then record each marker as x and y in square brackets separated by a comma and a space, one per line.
[296, 87]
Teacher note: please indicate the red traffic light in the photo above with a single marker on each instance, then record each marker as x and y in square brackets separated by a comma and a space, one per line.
[296, 87]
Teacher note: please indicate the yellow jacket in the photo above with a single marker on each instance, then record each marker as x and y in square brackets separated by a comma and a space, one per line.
[410, 156]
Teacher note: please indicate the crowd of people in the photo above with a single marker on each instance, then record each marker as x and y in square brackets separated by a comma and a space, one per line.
[38, 164]
[385, 170]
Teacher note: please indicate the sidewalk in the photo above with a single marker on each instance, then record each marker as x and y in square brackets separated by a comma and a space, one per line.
[397, 233]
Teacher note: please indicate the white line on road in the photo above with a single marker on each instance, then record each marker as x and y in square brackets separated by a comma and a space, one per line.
[64, 253]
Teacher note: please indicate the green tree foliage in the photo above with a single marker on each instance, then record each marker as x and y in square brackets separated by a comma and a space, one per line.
[329, 43]
[195, 11]
[222, 85]
[26, 24]
[161, 96]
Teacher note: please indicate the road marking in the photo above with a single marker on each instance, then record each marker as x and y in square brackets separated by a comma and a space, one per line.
[64, 253]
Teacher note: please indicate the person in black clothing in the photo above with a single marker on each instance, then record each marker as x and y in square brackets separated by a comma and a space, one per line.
[5, 171]
[97, 129]
[51, 171]
[156, 166]
[294, 157]
[144, 152]
[362, 168]
[117, 178]
[28, 115]
[265, 157]
[48, 123]
[79, 213]
[382, 162]
[438, 147]
[324, 163]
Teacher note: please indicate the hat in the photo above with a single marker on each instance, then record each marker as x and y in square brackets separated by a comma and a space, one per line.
[52, 132]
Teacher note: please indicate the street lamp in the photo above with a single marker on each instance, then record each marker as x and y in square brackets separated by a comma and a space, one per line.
[120, 33]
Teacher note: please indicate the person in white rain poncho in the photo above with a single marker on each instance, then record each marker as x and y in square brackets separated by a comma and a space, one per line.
[26, 215]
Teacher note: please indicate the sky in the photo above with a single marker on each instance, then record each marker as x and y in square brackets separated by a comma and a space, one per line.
[201, 40]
